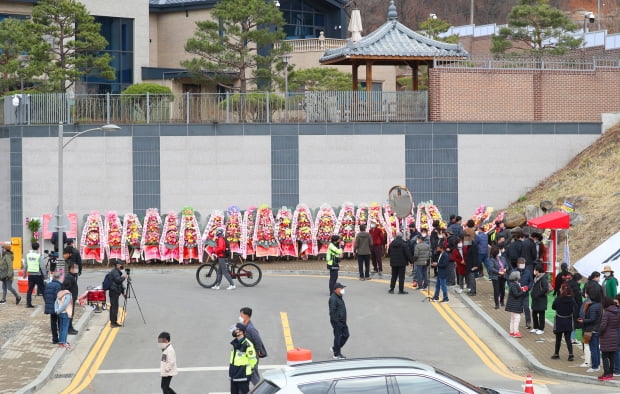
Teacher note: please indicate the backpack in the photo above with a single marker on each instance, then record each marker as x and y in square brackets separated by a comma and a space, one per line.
[107, 282]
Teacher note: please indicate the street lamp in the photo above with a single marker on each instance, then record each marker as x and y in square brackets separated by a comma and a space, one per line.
[286, 58]
[60, 266]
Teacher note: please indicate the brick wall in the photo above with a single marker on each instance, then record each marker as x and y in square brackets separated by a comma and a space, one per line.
[480, 95]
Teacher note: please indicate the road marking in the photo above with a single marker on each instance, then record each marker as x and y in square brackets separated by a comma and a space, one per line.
[95, 357]
[286, 330]
[187, 369]
[478, 346]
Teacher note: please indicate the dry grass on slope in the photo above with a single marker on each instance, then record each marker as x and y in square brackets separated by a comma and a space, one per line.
[592, 181]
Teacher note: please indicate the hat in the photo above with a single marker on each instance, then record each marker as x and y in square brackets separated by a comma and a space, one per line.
[607, 268]
[241, 326]
[69, 241]
[219, 231]
[118, 262]
[339, 286]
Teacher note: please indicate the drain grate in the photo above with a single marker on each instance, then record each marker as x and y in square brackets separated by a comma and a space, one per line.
[64, 375]
[519, 370]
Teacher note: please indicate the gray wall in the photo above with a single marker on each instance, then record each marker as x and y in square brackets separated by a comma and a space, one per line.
[457, 165]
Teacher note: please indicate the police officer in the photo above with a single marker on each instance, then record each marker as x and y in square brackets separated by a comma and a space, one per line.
[36, 272]
[242, 361]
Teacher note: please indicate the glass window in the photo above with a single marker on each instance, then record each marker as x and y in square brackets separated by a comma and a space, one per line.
[370, 385]
[412, 384]
[315, 388]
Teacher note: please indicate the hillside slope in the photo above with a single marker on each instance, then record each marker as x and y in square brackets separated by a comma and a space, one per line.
[592, 181]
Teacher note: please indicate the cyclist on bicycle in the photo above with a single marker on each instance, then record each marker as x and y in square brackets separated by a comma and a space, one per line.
[220, 254]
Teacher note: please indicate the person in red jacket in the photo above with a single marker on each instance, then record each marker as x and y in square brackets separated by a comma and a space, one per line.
[379, 240]
[222, 261]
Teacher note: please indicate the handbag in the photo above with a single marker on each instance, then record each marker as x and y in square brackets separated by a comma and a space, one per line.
[587, 335]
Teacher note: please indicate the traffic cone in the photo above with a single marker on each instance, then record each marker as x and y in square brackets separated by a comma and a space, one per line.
[529, 387]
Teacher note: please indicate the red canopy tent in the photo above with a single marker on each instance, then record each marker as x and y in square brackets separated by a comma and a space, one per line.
[553, 221]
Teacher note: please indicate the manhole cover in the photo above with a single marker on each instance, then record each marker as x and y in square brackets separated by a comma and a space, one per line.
[63, 376]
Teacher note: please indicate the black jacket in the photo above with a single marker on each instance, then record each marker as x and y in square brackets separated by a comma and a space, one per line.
[71, 284]
[471, 259]
[528, 251]
[116, 277]
[514, 303]
[592, 321]
[337, 309]
[513, 251]
[540, 289]
[399, 253]
[565, 309]
[560, 278]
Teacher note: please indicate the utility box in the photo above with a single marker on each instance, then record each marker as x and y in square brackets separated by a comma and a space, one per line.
[16, 248]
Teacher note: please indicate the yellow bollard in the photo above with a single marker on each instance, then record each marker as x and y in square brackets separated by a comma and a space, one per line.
[16, 248]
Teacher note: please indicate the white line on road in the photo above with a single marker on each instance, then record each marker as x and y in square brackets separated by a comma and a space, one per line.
[188, 369]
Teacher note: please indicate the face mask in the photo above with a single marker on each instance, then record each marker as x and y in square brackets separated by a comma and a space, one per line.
[342, 292]
[240, 319]
[424, 235]
[372, 226]
[606, 274]
[162, 345]
[521, 266]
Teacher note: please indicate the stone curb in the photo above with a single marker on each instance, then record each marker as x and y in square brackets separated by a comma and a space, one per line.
[38, 383]
[529, 357]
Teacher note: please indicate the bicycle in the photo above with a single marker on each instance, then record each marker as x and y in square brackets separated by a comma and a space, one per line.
[248, 274]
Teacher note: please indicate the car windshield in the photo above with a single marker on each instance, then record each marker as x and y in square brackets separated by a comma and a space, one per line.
[478, 389]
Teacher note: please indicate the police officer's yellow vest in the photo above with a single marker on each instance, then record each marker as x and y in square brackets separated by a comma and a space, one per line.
[245, 359]
[32, 261]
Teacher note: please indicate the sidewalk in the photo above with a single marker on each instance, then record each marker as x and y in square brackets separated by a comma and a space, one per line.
[28, 358]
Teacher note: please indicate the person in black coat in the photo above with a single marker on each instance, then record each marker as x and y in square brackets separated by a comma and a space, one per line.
[513, 250]
[565, 308]
[472, 266]
[528, 251]
[71, 278]
[563, 276]
[117, 278]
[49, 295]
[573, 283]
[539, 292]
[526, 280]
[514, 305]
[442, 274]
[400, 256]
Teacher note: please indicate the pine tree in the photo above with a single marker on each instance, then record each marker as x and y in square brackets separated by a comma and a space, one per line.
[71, 44]
[536, 27]
[241, 41]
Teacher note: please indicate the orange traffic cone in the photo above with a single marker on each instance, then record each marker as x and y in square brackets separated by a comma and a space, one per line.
[529, 387]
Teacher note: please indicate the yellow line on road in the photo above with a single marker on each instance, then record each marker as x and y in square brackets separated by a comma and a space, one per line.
[95, 357]
[477, 345]
[286, 330]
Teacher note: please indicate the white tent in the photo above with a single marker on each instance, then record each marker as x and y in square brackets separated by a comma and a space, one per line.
[608, 253]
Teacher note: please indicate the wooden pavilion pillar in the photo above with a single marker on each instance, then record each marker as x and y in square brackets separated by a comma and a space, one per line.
[415, 77]
[368, 75]
[354, 66]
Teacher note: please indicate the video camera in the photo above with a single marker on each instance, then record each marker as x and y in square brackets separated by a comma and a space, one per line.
[51, 259]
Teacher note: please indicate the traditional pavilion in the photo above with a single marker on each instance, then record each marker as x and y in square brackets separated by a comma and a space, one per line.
[391, 44]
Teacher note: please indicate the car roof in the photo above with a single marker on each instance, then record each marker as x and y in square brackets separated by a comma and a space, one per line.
[280, 376]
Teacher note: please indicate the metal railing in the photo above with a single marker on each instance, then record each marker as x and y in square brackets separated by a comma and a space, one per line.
[254, 107]
[520, 63]
[315, 44]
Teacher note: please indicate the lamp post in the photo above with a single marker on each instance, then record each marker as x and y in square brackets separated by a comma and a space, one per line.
[60, 266]
[286, 58]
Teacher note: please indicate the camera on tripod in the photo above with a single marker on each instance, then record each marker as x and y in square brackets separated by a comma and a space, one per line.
[51, 259]
[128, 271]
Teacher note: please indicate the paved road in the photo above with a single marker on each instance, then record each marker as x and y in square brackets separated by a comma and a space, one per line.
[448, 337]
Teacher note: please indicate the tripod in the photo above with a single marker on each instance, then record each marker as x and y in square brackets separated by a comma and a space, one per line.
[131, 290]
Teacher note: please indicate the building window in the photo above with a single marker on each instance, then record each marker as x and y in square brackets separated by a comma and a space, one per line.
[303, 20]
[119, 34]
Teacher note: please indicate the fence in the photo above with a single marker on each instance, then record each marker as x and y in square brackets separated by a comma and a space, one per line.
[543, 63]
[254, 107]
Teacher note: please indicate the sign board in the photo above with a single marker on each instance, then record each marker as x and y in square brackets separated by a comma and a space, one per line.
[69, 226]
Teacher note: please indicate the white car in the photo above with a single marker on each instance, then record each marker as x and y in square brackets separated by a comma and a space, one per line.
[376, 375]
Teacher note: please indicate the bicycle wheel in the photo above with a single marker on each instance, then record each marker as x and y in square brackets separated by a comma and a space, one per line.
[249, 274]
[206, 275]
